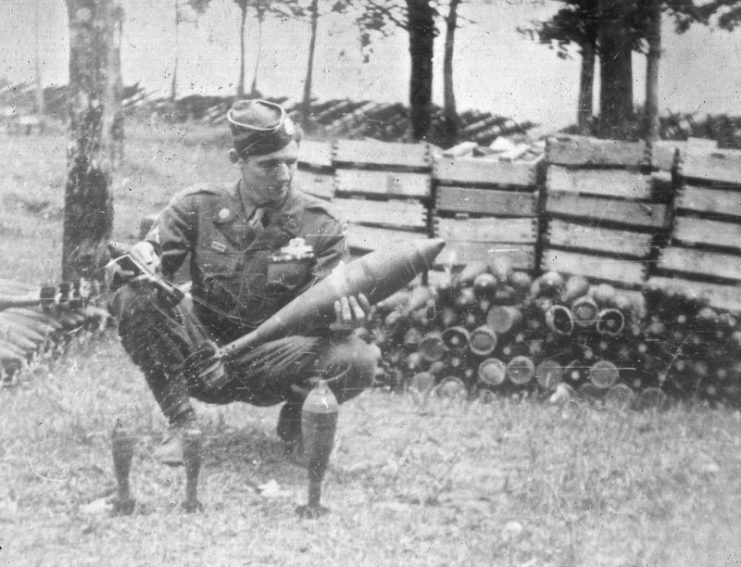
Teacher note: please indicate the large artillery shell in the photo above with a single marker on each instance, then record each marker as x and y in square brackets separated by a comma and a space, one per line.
[603, 374]
[376, 275]
[610, 322]
[548, 374]
[584, 309]
[451, 387]
[456, 339]
[492, 372]
[484, 285]
[469, 273]
[503, 319]
[431, 346]
[560, 320]
[482, 341]
[575, 286]
[520, 370]
[619, 396]
[422, 383]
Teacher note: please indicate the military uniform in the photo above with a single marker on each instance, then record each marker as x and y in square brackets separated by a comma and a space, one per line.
[235, 288]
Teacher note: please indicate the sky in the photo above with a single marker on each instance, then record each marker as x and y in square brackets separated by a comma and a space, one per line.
[496, 69]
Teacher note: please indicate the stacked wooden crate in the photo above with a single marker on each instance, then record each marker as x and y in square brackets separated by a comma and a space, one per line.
[315, 171]
[485, 209]
[382, 191]
[704, 255]
[603, 212]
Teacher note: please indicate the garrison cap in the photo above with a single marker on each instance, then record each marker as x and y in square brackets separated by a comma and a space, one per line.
[260, 127]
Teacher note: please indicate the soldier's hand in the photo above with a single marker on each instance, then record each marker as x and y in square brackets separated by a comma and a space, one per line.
[143, 252]
[352, 310]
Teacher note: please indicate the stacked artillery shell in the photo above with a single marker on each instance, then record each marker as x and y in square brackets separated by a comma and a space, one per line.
[28, 328]
[493, 330]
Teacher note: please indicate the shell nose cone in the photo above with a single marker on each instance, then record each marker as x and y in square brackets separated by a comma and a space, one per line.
[430, 248]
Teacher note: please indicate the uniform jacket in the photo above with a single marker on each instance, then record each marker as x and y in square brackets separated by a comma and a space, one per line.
[229, 254]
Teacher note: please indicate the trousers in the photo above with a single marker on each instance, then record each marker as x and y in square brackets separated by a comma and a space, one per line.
[159, 337]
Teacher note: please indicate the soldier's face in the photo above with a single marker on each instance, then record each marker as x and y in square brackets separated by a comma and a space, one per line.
[267, 178]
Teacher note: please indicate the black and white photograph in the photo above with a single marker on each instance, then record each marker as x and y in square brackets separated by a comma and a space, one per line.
[418, 283]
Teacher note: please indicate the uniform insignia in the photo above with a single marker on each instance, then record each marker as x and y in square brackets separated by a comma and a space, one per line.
[218, 246]
[224, 214]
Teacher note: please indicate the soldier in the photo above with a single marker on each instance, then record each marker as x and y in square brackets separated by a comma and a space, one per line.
[234, 235]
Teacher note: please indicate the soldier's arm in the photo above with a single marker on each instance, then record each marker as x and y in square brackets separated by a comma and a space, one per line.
[173, 234]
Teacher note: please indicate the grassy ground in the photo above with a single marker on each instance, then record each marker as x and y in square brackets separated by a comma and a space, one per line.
[411, 483]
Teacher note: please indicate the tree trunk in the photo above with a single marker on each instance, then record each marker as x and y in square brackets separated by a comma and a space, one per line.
[88, 206]
[174, 82]
[652, 71]
[616, 72]
[421, 42]
[242, 19]
[40, 106]
[585, 111]
[113, 119]
[450, 121]
[254, 93]
[306, 103]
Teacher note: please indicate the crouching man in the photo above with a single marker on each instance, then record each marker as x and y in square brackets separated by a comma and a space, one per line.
[237, 238]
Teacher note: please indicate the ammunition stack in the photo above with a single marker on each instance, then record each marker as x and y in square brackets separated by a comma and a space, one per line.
[490, 329]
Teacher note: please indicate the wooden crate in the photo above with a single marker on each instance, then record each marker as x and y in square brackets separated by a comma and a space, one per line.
[521, 256]
[361, 238]
[584, 151]
[383, 155]
[487, 201]
[315, 155]
[709, 201]
[607, 211]
[721, 167]
[700, 262]
[616, 183]
[608, 241]
[479, 171]
[630, 273]
[725, 297]
[388, 183]
[487, 230]
[315, 171]
[316, 183]
[406, 214]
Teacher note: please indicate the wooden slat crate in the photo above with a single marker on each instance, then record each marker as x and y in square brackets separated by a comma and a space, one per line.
[368, 238]
[627, 213]
[719, 166]
[315, 155]
[709, 201]
[598, 239]
[478, 171]
[584, 151]
[694, 230]
[487, 201]
[316, 183]
[631, 273]
[619, 183]
[383, 154]
[724, 297]
[521, 256]
[388, 183]
[664, 154]
[487, 229]
[411, 214]
[700, 262]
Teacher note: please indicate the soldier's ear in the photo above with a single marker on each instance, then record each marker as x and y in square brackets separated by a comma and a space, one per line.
[233, 156]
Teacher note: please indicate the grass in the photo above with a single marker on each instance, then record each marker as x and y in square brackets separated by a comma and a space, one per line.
[435, 482]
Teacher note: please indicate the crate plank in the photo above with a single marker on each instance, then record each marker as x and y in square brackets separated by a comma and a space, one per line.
[315, 154]
[723, 166]
[520, 230]
[598, 267]
[583, 150]
[521, 256]
[703, 262]
[702, 231]
[386, 154]
[712, 201]
[663, 154]
[487, 201]
[390, 183]
[629, 213]
[314, 183]
[603, 182]
[369, 238]
[570, 235]
[724, 297]
[480, 171]
[391, 212]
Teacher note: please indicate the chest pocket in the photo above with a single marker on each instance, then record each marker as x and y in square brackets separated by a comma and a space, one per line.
[287, 277]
